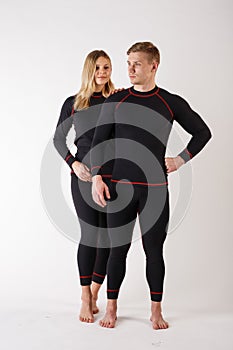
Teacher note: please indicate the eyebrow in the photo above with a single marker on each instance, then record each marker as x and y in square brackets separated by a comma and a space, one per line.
[134, 61]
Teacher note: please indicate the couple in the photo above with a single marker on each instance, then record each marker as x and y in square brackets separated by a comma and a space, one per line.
[130, 183]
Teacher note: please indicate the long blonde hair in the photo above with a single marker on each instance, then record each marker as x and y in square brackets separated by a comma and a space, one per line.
[88, 86]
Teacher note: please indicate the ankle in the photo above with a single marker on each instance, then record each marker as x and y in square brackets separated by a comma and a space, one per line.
[94, 297]
[86, 296]
[112, 305]
[155, 305]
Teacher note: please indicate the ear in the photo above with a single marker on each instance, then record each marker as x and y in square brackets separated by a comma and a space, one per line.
[155, 66]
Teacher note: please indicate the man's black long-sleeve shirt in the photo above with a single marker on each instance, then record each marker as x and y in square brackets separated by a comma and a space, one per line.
[141, 123]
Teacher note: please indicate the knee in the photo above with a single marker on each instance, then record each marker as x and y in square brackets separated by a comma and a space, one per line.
[119, 253]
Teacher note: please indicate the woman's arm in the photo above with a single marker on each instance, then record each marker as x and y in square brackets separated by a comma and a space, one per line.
[63, 127]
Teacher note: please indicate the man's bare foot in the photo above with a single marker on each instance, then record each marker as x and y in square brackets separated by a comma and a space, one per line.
[95, 308]
[86, 314]
[156, 316]
[110, 316]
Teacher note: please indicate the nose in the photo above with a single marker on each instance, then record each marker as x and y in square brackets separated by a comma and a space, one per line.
[101, 72]
[131, 69]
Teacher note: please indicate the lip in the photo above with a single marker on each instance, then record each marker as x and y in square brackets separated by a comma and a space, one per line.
[132, 76]
[101, 77]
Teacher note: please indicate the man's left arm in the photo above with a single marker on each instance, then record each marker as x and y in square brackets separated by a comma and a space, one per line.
[194, 125]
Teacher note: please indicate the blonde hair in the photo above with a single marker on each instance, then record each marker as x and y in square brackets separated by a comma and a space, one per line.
[150, 49]
[88, 86]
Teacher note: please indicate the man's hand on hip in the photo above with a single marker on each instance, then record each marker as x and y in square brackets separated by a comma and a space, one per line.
[99, 188]
[173, 164]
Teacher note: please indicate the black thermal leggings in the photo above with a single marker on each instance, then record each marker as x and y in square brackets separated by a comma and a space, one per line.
[93, 249]
[152, 205]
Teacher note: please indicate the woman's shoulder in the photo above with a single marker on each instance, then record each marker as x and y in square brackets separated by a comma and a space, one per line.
[70, 100]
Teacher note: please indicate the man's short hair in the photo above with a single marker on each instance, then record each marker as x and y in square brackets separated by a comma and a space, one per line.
[147, 47]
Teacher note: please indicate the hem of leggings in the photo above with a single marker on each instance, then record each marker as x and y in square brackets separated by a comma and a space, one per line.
[112, 295]
[156, 297]
[98, 280]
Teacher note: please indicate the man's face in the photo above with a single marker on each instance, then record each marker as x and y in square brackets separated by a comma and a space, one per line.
[140, 70]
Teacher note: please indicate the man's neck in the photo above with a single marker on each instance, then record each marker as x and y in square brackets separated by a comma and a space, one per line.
[145, 87]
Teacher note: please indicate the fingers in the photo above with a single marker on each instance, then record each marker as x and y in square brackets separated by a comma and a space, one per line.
[86, 168]
[116, 90]
[102, 200]
[107, 193]
[98, 195]
[99, 199]
[170, 165]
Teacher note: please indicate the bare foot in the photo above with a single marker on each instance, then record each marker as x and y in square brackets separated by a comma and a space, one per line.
[86, 314]
[110, 317]
[95, 287]
[156, 316]
[95, 308]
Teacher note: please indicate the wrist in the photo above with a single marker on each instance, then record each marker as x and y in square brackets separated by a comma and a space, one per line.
[180, 160]
[76, 163]
[96, 178]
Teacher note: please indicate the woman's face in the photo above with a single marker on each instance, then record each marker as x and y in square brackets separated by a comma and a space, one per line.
[102, 73]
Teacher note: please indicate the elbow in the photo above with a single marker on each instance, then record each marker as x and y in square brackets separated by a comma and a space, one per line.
[208, 134]
[55, 141]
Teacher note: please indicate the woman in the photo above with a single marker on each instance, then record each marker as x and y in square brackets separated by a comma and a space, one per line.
[95, 88]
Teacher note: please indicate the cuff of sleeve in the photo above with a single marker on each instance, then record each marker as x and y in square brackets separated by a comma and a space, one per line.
[185, 155]
[96, 170]
[70, 159]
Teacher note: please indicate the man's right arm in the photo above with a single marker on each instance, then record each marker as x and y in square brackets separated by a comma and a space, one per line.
[103, 133]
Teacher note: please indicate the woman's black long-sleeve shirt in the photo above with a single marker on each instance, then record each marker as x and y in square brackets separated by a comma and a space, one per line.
[84, 123]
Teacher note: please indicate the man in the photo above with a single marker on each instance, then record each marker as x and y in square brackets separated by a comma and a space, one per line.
[140, 118]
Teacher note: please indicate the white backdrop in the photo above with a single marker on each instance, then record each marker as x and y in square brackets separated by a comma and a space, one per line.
[43, 47]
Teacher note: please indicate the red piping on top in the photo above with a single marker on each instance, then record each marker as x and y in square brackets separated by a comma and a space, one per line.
[68, 157]
[123, 99]
[96, 96]
[166, 104]
[103, 175]
[132, 93]
[139, 183]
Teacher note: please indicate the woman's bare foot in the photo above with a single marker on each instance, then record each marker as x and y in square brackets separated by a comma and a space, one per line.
[95, 308]
[110, 316]
[156, 316]
[86, 314]
[95, 290]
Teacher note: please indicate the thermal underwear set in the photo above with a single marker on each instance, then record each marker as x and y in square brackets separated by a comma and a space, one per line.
[93, 249]
[140, 123]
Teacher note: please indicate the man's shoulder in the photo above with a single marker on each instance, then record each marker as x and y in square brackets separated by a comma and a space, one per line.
[118, 96]
[168, 95]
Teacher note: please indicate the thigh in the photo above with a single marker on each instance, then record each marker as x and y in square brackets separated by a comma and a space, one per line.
[121, 214]
[87, 210]
[154, 216]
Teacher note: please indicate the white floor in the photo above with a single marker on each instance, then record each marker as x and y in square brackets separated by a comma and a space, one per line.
[49, 325]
